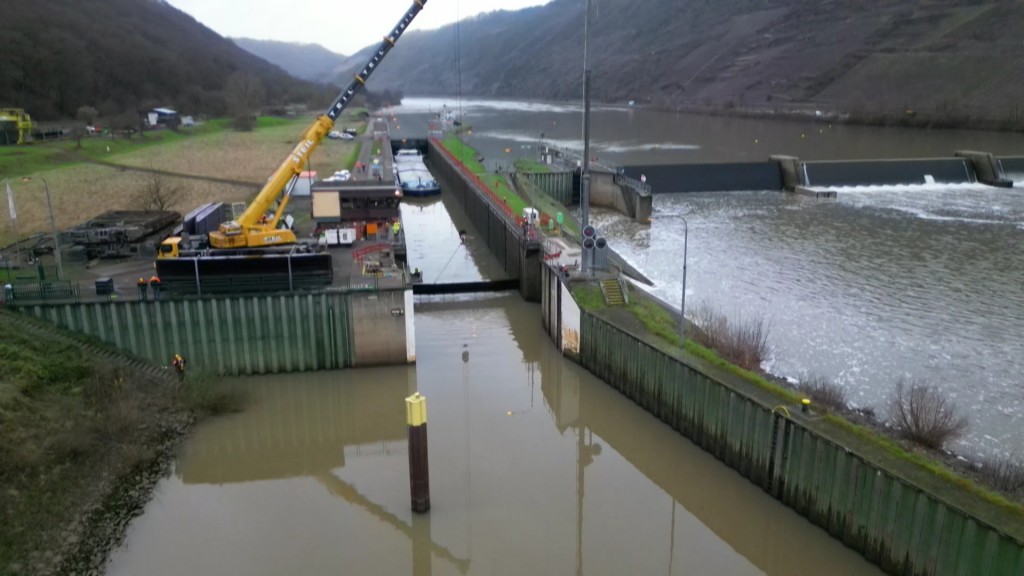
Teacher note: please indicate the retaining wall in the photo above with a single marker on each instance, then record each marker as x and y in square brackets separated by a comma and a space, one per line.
[719, 177]
[234, 335]
[881, 510]
[558, 185]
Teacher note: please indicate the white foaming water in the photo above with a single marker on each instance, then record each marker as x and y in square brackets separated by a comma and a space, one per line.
[419, 105]
[966, 203]
[577, 145]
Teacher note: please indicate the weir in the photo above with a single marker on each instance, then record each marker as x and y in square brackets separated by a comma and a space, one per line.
[791, 174]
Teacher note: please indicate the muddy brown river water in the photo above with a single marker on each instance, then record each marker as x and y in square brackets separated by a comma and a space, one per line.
[536, 468]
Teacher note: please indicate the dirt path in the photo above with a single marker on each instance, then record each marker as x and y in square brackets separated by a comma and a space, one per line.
[75, 157]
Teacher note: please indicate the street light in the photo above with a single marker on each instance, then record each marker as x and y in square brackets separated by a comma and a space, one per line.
[53, 226]
[682, 307]
[14, 219]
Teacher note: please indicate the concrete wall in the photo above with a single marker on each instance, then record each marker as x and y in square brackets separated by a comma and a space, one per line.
[604, 192]
[887, 172]
[896, 514]
[380, 327]
[720, 177]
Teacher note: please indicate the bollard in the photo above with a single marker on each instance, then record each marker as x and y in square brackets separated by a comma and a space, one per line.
[805, 405]
[419, 470]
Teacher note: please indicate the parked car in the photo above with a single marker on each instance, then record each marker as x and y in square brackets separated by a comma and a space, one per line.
[339, 176]
[334, 135]
[347, 136]
[351, 131]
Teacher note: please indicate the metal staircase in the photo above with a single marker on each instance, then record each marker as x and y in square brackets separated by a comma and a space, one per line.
[613, 295]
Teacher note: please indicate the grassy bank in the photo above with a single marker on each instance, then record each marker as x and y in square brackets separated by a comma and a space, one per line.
[501, 187]
[72, 423]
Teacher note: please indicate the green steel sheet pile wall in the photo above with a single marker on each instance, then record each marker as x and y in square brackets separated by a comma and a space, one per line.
[893, 523]
[502, 237]
[227, 335]
[558, 185]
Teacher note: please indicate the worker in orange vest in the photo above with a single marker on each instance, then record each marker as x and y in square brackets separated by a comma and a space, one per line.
[142, 288]
[179, 364]
[154, 283]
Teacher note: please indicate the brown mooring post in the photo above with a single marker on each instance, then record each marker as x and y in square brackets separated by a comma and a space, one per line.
[419, 470]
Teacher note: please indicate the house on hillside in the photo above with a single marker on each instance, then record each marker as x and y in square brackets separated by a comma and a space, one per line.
[162, 117]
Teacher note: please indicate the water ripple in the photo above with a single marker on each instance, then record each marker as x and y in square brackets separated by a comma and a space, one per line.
[880, 284]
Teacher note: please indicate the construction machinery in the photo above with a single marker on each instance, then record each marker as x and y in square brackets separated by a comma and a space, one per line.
[119, 233]
[261, 226]
[15, 126]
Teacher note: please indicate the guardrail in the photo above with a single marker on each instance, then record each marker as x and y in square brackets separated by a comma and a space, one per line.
[633, 183]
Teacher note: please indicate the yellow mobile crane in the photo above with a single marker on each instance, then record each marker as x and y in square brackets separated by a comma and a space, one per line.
[251, 229]
[18, 121]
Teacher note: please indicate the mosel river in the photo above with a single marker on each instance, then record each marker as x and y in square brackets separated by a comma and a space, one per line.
[915, 282]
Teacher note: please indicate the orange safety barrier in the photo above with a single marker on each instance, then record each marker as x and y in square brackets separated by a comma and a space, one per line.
[365, 251]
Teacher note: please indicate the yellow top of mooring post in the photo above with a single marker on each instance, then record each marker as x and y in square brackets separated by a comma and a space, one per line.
[416, 410]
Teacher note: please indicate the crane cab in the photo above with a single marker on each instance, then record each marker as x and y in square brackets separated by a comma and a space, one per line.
[169, 248]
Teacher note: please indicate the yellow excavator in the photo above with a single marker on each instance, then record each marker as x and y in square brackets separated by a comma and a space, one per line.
[15, 120]
[254, 233]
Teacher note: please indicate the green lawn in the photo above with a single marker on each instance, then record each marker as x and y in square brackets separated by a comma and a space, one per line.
[530, 165]
[18, 161]
[497, 183]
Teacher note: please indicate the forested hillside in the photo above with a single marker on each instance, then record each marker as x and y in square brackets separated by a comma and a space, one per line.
[121, 55]
[957, 56]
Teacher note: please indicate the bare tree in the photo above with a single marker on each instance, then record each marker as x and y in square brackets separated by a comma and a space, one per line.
[157, 193]
[85, 116]
[744, 342]
[244, 94]
[923, 415]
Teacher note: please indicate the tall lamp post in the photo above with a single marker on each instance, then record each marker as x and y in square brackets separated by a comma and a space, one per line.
[53, 227]
[682, 306]
[14, 219]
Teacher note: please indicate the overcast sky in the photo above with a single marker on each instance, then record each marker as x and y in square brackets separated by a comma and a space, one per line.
[343, 26]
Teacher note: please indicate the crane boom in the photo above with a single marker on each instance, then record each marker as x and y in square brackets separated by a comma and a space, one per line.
[247, 230]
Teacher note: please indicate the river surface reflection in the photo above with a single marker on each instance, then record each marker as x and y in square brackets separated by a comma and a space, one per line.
[536, 468]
